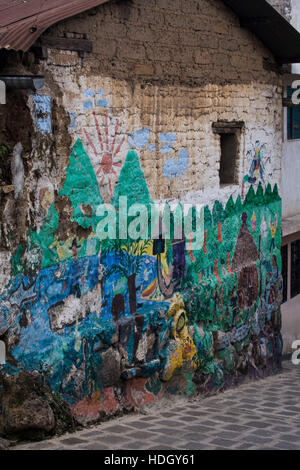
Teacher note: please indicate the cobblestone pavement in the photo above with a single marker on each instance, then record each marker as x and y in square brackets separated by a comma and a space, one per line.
[262, 414]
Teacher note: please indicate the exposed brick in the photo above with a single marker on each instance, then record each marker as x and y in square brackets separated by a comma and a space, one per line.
[152, 16]
[143, 69]
[161, 54]
[132, 51]
[161, 31]
[105, 47]
[115, 29]
[202, 57]
[63, 58]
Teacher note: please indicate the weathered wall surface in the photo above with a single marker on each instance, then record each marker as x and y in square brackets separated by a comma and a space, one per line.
[115, 325]
[168, 42]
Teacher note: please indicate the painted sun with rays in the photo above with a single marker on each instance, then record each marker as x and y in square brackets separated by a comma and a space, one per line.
[107, 158]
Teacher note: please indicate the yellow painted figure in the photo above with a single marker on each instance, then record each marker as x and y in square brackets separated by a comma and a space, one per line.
[182, 347]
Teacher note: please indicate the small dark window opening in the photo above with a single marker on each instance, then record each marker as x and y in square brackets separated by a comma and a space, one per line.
[229, 157]
[230, 137]
[295, 268]
[284, 255]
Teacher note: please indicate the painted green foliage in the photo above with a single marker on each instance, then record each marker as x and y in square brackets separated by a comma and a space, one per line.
[210, 299]
[42, 241]
[132, 185]
[16, 261]
[82, 188]
[233, 287]
[211, 277]
[131, 182]
[45, 237]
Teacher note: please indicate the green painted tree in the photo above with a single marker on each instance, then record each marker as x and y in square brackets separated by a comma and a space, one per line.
[276, 193]
[260, 195]
[268, 198]
[238, 205]
[82, 188]
[230, 208]
[250, 198]
[132, 184]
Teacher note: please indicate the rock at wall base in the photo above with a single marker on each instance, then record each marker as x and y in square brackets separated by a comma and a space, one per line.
[29, 410]
[4, 444]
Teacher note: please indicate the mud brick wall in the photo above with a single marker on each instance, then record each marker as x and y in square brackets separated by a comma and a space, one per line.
[115, 326]
[170, 67]
[186, 42]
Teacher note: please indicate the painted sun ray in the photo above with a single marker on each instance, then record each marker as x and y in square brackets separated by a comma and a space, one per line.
[98, 131]
[115, 136]
[90, 141]
[119, 147]
[107, 163]
[106, 131]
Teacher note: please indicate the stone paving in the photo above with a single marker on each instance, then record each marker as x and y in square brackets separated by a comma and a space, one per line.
[262, 414]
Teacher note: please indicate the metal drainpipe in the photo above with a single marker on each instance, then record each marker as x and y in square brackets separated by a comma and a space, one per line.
[25, 82]
[21, 82]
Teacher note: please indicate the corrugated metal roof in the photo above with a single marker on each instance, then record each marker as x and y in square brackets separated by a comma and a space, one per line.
[23, 21]
[270, 27]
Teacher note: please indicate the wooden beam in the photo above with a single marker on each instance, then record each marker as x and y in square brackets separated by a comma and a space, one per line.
[224, 127]
[67, 44]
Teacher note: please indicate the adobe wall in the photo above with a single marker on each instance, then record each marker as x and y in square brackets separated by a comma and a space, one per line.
[115, 326]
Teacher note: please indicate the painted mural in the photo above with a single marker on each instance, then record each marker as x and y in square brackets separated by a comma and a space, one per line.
[114, 324]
